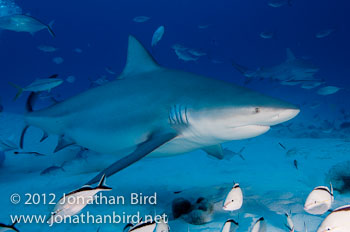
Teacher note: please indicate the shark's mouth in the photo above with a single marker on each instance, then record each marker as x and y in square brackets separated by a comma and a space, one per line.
[247, 131]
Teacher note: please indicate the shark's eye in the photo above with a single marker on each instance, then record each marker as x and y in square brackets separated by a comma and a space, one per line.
[257, 110]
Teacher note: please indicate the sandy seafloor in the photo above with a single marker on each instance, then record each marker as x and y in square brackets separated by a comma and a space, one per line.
[271, 184]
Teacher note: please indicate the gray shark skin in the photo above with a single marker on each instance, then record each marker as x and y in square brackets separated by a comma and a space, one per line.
[291, 72]
[24, 23]
[152, 109]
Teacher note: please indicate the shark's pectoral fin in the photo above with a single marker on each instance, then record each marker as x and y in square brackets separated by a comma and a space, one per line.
[63, 143]
[215, 151]
[152, 143]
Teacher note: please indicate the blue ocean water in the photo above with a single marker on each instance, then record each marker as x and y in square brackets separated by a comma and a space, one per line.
[92, 36]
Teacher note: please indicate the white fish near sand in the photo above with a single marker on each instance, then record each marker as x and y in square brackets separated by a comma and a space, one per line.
[157, 35]
[11, 227]
[266, 35]
[47, 48]
[290, 224]
[39, 85]
[141, 19]
[162, 226]
[323, 33]
[319, 200]
[259, 226]
[328, 90]
[148, 226]
[337, 221]
[234, 199]
[73, 202]
[58, 60]
[24, 23]
[230, 226]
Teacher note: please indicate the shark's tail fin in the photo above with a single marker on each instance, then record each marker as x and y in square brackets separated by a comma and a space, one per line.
[240, 153]
[19, 88]
[102, 184]
[49, 28]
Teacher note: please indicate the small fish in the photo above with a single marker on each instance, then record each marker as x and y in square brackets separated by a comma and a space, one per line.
[337, 221]
[185, 56]
[266, 35]
[290, 224]
[28, 153]
[53, 169]
[110, 71]
[282, 146]
[295, 162]
[279, 3]
[47, 48]
[12, 227]
[58, 60]
[323, 33]
[230, 226]
[234, 199]
[71, 79]
[141, 19]
[77, 50]
[328, 90]
[204, 26]
[38, 86]
[311, 85]
[100, 81]
[157, 35]
[196, 53]
[228, 154]
[82, 196]
[319, 200]
[259, 226]
[24, 23]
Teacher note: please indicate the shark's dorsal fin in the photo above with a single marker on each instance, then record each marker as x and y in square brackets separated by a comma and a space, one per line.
[138, 59]
[290, 55]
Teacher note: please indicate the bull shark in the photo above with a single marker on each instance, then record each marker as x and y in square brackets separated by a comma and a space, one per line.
[292, 71]
[156, 111]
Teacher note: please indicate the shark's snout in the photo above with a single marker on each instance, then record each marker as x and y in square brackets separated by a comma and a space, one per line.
[284, 115]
